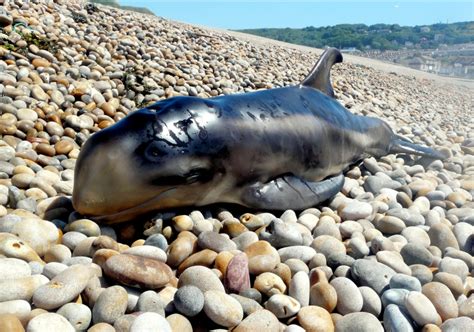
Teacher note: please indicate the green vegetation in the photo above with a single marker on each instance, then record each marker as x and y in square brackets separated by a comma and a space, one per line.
[115, 3]
[31, 38]
[378, 36]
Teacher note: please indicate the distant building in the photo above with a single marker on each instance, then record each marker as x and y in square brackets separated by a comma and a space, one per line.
[350, 50]
[425, 29]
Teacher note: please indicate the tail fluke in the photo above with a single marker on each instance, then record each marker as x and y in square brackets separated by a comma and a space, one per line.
[401, 145]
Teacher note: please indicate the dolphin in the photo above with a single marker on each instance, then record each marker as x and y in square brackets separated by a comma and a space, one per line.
[276, 149]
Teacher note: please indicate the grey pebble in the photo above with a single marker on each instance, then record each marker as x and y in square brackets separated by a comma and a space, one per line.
[150, 301]
[404, 281]
[372, 274]
[189, 300]
[395, 319]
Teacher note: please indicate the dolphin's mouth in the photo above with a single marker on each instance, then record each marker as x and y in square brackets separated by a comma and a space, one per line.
[133, 211]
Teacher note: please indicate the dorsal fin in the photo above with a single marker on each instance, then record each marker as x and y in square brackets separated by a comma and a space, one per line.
[319, 77]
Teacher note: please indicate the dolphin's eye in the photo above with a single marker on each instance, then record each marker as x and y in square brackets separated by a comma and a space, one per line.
[152, 151]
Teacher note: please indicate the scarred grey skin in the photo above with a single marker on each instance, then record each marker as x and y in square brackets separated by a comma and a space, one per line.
[273, 149]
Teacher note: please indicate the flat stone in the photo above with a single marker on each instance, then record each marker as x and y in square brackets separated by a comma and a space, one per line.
[63, 288]
[138, 271]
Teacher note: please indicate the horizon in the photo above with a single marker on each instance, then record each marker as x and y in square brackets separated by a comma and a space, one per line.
[248, 14]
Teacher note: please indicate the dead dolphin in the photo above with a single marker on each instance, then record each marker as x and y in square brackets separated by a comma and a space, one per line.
[283, 148]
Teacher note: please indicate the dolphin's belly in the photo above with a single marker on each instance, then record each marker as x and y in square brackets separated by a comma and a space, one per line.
[293, 130]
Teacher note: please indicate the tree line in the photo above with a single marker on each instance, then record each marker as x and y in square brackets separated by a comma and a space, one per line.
[377, 36]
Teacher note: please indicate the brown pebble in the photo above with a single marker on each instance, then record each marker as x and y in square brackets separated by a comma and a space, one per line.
[315, 319]
[46, 149]
[138, 271]
[222, 261]
[204, 257]
[10, 323]
[39, 62]
[63, 147]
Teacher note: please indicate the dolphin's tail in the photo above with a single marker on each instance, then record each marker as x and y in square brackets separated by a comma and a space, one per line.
[400, 144]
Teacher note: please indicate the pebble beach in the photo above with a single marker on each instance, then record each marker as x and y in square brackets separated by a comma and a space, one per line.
[393, 251]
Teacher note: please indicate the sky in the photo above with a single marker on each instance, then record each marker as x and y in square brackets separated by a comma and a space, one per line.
[244, 14]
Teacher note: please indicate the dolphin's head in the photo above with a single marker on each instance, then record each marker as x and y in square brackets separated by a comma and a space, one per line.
[158, 157]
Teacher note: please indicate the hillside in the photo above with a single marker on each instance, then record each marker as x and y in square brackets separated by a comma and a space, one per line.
[377, 37]
[392, 250]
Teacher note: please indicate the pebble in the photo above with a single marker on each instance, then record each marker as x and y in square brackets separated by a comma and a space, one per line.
[371, 301]
[150, 301]
[237, 277]
[457, 324]
[9, 322]
[201, 277]
[356, 210]
[150, 322]
[407, 282]
[189, 300]
[396, 319]
[315, 319]
[358, 322]
[147, 251]
[414, 253]
[138, 271]
[110, 305]
[20, 288]
[53, 102]
[216, 242]
[19, 308]
[13, 268]
[222, 309]
[179, 323]
[282, 306]
[261, 320]
[421, 309]
[78, 315]
[63, 288]
[442, 299]
[299, 288]
[349, 298]
[372, 274]
[49, 322]
[442, 237]
[454, 266]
